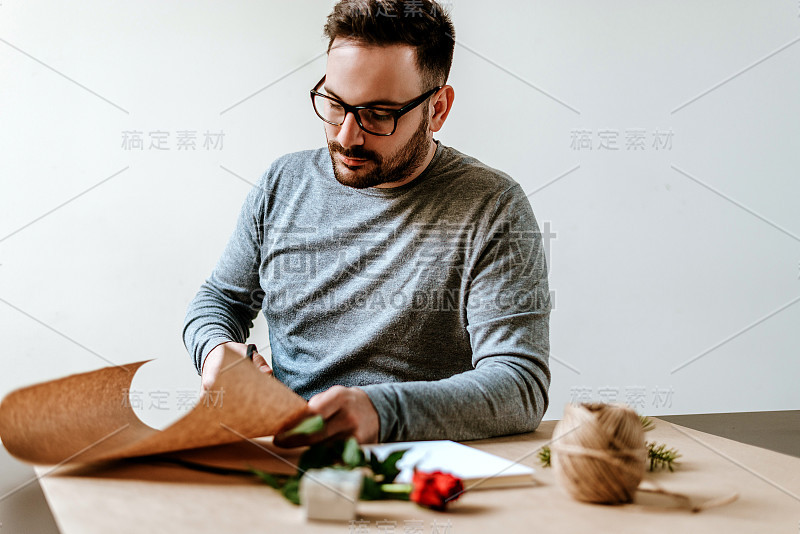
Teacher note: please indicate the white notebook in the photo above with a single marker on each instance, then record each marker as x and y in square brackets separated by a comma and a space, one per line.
[476, 468]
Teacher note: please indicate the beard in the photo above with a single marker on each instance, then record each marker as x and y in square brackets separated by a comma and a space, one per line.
[394, 168]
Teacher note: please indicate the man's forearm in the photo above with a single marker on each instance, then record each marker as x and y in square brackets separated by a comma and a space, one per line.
[213, 318]
[507, 395]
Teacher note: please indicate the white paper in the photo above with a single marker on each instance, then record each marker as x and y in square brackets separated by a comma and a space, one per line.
[466, 463]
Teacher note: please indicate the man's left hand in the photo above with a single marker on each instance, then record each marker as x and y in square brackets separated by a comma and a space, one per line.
[346, 411]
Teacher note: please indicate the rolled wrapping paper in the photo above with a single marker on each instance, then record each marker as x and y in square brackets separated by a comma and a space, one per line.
[598, 452]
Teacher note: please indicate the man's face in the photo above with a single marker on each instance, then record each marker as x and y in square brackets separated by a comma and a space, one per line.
[386, 76]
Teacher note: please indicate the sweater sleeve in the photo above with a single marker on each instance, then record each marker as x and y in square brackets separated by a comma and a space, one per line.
[227, 303]
[507, 311]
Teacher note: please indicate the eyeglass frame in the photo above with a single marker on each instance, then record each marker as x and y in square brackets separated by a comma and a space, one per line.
[396, 113]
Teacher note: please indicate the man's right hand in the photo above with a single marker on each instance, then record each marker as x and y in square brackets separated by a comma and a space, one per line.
[213, 362]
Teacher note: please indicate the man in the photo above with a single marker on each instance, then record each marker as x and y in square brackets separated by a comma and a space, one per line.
[403, 282]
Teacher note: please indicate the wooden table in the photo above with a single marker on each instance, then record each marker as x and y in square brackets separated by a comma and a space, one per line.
[136, 498]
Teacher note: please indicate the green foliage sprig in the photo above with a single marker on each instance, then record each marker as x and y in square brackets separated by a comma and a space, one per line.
[341, 454]
[658, 455]
[661, 457]
[544, 456]
[647, 423]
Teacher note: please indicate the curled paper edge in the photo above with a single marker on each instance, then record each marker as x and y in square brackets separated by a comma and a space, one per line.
[87, 417]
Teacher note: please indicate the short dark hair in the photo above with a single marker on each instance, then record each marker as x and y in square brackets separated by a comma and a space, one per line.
[422, 24]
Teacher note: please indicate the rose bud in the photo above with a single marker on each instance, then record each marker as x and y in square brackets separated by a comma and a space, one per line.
[435, 490]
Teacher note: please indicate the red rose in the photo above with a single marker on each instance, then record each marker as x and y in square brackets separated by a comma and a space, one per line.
[435, 490]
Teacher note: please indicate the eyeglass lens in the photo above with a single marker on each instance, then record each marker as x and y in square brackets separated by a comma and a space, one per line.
[373, 120]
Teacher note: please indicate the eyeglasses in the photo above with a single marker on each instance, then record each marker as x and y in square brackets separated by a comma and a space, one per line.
[373, 120]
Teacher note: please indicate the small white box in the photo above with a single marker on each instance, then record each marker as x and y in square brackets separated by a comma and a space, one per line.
[330, 494]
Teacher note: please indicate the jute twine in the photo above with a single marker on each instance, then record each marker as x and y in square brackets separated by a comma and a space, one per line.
[599, 455]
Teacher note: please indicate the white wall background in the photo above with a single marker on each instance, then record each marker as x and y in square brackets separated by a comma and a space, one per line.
[685, 253]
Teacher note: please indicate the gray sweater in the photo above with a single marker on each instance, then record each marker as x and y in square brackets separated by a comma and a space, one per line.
[432, 297]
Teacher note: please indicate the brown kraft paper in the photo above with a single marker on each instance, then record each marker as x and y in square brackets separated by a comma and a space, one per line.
[87, 417]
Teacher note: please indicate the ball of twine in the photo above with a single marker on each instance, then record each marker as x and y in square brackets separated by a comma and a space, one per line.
[598, 452]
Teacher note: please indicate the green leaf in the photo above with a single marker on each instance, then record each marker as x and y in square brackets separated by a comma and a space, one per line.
[291, 490]
[321, 455]
[310, 425]
[352, 455]
[370, 490]
[375, 464]
[389, 468]
[274, 481]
